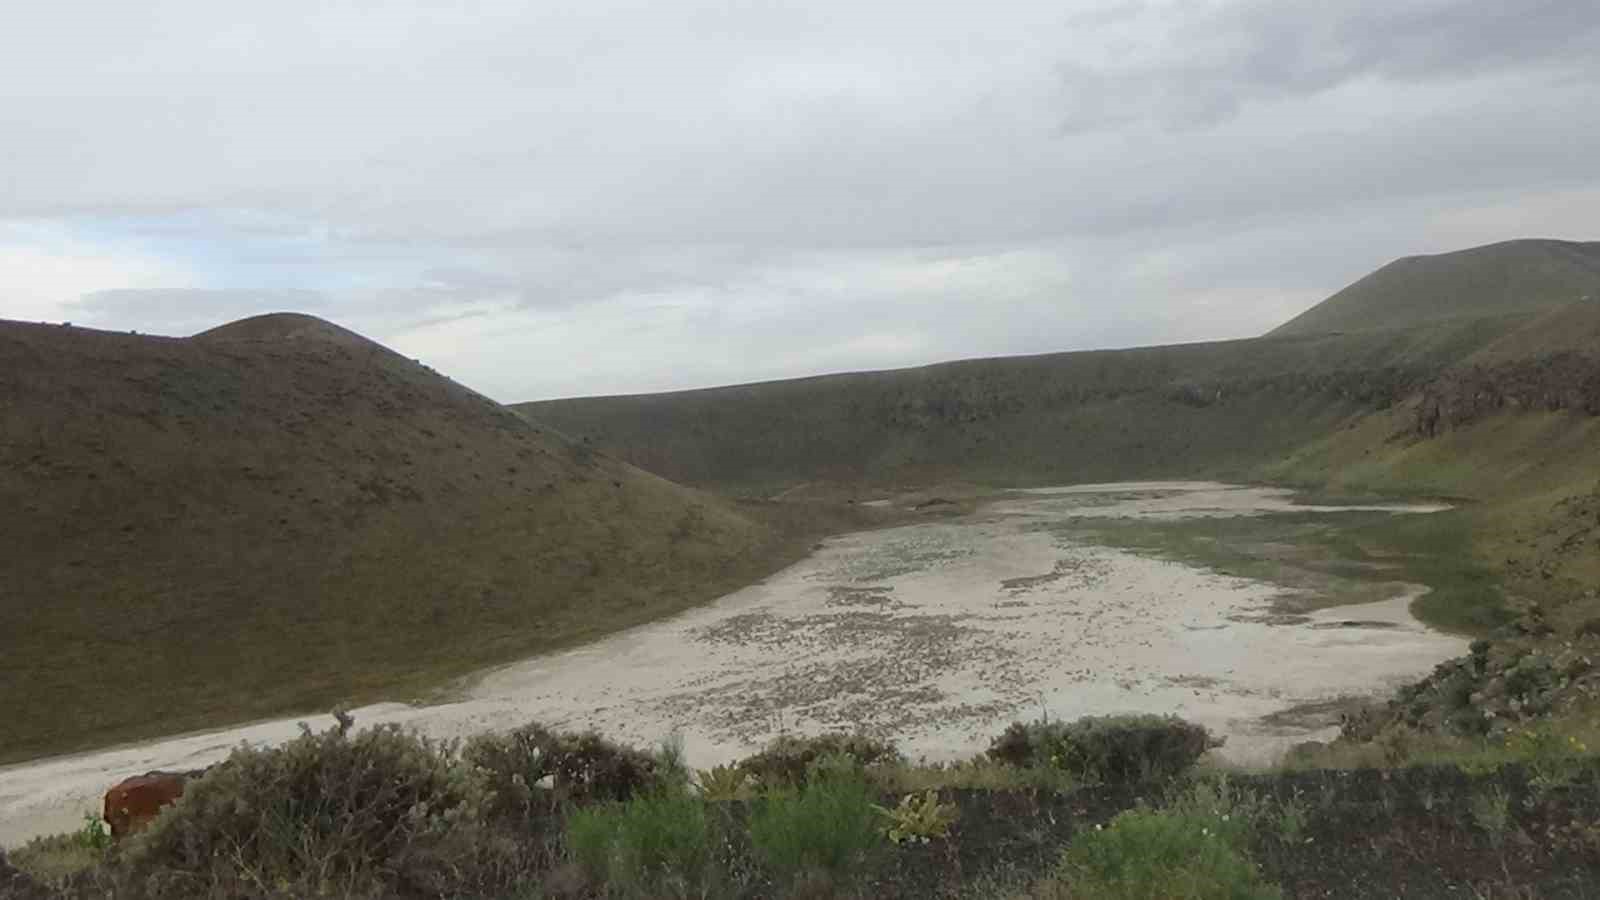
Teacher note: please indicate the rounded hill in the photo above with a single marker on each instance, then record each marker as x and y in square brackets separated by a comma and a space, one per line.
[278, 515]
[1510, 278]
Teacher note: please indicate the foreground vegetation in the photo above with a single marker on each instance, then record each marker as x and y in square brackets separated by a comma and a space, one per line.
[1100, 808]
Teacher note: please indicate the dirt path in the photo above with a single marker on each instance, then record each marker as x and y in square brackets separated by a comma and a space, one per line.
[937, 634]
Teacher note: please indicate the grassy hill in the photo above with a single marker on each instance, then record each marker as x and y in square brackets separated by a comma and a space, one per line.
[1197, 409]
[1473, 375]
[280, 514]
[1526, 276]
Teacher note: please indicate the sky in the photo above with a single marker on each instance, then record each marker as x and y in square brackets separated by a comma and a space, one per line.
[546, 199]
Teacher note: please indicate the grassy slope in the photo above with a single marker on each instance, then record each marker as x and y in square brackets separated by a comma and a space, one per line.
[282, 515]
[1198, 409]
[1531, 479]
[1516, 276]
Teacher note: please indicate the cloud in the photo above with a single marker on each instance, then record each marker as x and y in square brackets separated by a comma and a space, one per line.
[625, 195]
[1187, 66]
[185, 311]
[43, 270]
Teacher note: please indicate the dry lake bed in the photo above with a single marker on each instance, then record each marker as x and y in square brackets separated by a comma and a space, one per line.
[938, 634]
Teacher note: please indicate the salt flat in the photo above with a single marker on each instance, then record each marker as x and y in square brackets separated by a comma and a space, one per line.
[937, 634]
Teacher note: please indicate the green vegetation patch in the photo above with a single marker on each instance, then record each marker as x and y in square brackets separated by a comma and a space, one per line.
[1327, 559]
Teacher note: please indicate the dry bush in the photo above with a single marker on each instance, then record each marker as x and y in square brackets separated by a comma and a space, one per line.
[788, 759]
[1106, 748]
[328, 814]
[532, 771]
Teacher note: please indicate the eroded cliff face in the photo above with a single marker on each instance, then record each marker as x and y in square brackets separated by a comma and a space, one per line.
[1567, 381]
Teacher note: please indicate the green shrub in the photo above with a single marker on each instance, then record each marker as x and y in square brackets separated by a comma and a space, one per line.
[325, 814]
[827, 824]
[1106, 748]
[1531, 674]
[657, 844]
[533, 770]
[1174, 855]
[787, 759]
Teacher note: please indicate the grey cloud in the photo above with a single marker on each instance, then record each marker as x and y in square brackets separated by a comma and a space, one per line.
[663, 194]
[1215, 60]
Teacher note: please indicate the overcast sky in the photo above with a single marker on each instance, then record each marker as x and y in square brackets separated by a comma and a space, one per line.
[548, 198]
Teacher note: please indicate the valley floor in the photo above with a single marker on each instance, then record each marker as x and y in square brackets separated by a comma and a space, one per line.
[938, 634]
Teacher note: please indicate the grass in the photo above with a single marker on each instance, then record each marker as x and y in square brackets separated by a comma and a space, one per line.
[1209, 409]
[1194, 848]
[659, 844]
[1330, 559]
[55, 858]
[249, 528]
[1530, 275]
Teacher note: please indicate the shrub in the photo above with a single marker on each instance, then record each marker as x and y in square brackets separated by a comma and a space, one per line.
[1531, 674]
[533, 770]
[979, 773]
[325, 813]
[826, 824]
[1106, 748]
[787, 759]
[1174, 854]
[657, 844]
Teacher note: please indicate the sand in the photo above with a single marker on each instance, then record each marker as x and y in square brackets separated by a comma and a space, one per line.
[938, 634]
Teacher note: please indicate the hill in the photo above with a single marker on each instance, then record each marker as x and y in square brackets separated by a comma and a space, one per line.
[1525, 276]
[1473, 375]
[280, 514]
[1215, 409]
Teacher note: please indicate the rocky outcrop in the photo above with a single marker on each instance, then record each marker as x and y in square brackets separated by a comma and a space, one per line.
[1563, 381]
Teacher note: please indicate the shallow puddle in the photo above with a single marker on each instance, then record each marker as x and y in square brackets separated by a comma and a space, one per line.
[937, 634]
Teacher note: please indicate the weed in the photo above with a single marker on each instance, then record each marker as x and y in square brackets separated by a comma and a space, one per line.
[1291, 818]
[724, 783]
[93, 834]
[919, 819]
[1491, 811]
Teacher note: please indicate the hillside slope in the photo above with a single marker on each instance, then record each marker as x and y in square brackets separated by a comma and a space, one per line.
[280, 514]
[1212, 409]
[1525, 276]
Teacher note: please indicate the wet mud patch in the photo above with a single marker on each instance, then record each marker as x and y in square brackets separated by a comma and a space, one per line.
[1356, 623]
[848, 596]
